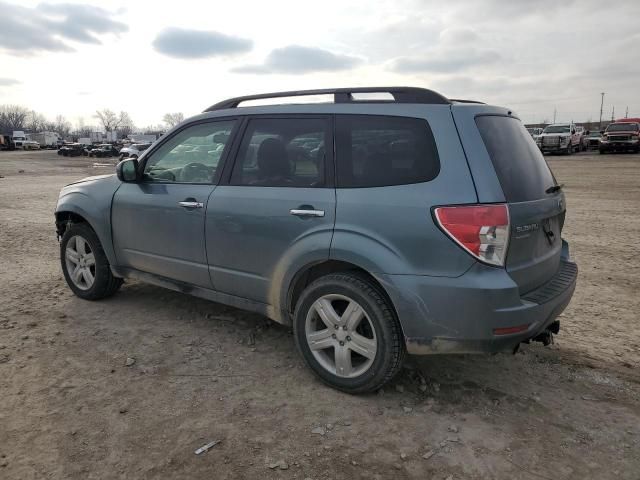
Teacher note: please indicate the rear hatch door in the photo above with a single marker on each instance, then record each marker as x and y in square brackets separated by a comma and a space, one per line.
[536, 203]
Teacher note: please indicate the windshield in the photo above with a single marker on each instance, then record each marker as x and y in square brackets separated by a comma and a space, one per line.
[557, 129]
[595, 134]
[622, 127]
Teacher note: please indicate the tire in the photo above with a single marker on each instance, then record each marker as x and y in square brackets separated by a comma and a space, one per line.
[569, 149]
[377, 330]
[104, 284]
[602, 152]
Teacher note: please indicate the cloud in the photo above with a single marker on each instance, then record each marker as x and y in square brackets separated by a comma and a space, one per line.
[49, 27]
[7, 82]
[190, 44]
[445, 60]
[458, 35]
[297, 59]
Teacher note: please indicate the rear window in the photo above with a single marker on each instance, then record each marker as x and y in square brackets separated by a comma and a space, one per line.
[521, 168]
[377, 151]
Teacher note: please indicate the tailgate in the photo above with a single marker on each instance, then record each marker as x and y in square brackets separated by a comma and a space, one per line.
[536, 204]
[535, 245]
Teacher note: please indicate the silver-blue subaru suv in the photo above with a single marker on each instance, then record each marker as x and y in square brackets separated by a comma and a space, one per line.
[381, 222]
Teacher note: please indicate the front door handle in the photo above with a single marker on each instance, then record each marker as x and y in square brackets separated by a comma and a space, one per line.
[306, 213]
[191, 204]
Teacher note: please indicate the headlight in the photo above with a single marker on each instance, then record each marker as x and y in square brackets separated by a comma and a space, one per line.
[564, 139]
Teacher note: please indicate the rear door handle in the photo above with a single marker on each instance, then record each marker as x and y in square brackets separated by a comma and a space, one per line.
[191, 204]
[306, 213]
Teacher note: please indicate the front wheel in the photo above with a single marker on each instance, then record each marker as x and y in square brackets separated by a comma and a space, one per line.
[348, 334]
[85, 265]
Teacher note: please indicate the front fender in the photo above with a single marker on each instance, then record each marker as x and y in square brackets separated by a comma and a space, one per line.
[92, 201]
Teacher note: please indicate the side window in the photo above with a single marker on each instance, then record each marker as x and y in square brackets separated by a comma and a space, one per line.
[192, 155]
[283, 152]
[377, 151]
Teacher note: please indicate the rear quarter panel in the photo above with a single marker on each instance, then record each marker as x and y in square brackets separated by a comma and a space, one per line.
[390, 229]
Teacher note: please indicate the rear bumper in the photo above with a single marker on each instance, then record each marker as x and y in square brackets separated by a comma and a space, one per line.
[441, 315]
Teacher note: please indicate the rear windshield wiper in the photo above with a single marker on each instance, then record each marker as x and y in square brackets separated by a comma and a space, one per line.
[554, 188]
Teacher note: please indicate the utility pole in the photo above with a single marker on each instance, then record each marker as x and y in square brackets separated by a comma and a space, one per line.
[626, 113]
[601, 105]
[613, 113]
[554, 114]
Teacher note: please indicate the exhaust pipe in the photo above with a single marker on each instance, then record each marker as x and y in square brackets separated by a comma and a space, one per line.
[546, 337]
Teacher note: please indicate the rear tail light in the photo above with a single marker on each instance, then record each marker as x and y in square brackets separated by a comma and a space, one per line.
[482, 230]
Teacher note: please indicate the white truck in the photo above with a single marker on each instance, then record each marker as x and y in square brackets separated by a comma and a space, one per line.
[19, 138]
[45, 139]
[560, 138]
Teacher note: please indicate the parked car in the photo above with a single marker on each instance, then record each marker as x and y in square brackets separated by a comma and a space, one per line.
[104, 150]
[559, 138]
[582, 134]
[362, 224]
[70, 150]
[593, 140]
[86, 149]
[621, 137]
[134, 150]
[30, 145]
[7, 143]
[535, 132]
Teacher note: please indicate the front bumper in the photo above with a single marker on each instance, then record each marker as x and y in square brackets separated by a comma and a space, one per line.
[442, 315]
[619, 146]
[553, 148]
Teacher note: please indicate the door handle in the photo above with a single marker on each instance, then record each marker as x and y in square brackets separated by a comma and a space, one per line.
[306, 213]
[191, 204]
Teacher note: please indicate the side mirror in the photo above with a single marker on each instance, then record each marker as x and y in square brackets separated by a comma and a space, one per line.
[573, 132]
[127, 170]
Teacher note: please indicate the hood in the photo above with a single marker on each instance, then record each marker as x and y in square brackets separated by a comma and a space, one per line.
[91, 179]
[622, 132]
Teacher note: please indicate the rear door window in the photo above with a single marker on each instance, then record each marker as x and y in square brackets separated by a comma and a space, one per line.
[377, 151]
[521, 168]
[283, 152]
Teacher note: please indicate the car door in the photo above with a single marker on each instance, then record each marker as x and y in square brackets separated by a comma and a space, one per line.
[276, 209]
[158, 223]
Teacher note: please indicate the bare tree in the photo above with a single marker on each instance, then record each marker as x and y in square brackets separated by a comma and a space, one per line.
[173, 119]
[154, 130]
[126, 126]
[110, 121]
[113, 122]
[35, 122]
[61, 126]
[12, 117]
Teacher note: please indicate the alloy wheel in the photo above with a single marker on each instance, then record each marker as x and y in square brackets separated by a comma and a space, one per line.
[341, 336]
[81, 262]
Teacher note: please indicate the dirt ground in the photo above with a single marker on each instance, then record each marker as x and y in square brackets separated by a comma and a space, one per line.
[71, 408]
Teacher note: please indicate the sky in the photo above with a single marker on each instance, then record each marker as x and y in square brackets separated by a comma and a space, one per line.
[149, 58]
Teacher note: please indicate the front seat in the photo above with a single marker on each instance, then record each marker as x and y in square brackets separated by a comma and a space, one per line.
[273, 162]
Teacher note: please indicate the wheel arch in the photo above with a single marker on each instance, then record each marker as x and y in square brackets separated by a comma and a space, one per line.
[312, 271]
[71, 213]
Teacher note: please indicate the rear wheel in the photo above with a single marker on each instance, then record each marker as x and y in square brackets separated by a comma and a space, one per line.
[348, 334]
[85, 265]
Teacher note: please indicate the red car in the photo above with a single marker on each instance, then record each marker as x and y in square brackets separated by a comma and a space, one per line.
[622, 135]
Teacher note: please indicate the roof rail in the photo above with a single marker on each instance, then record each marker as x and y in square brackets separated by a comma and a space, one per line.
[459, 100]
[345, 95]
